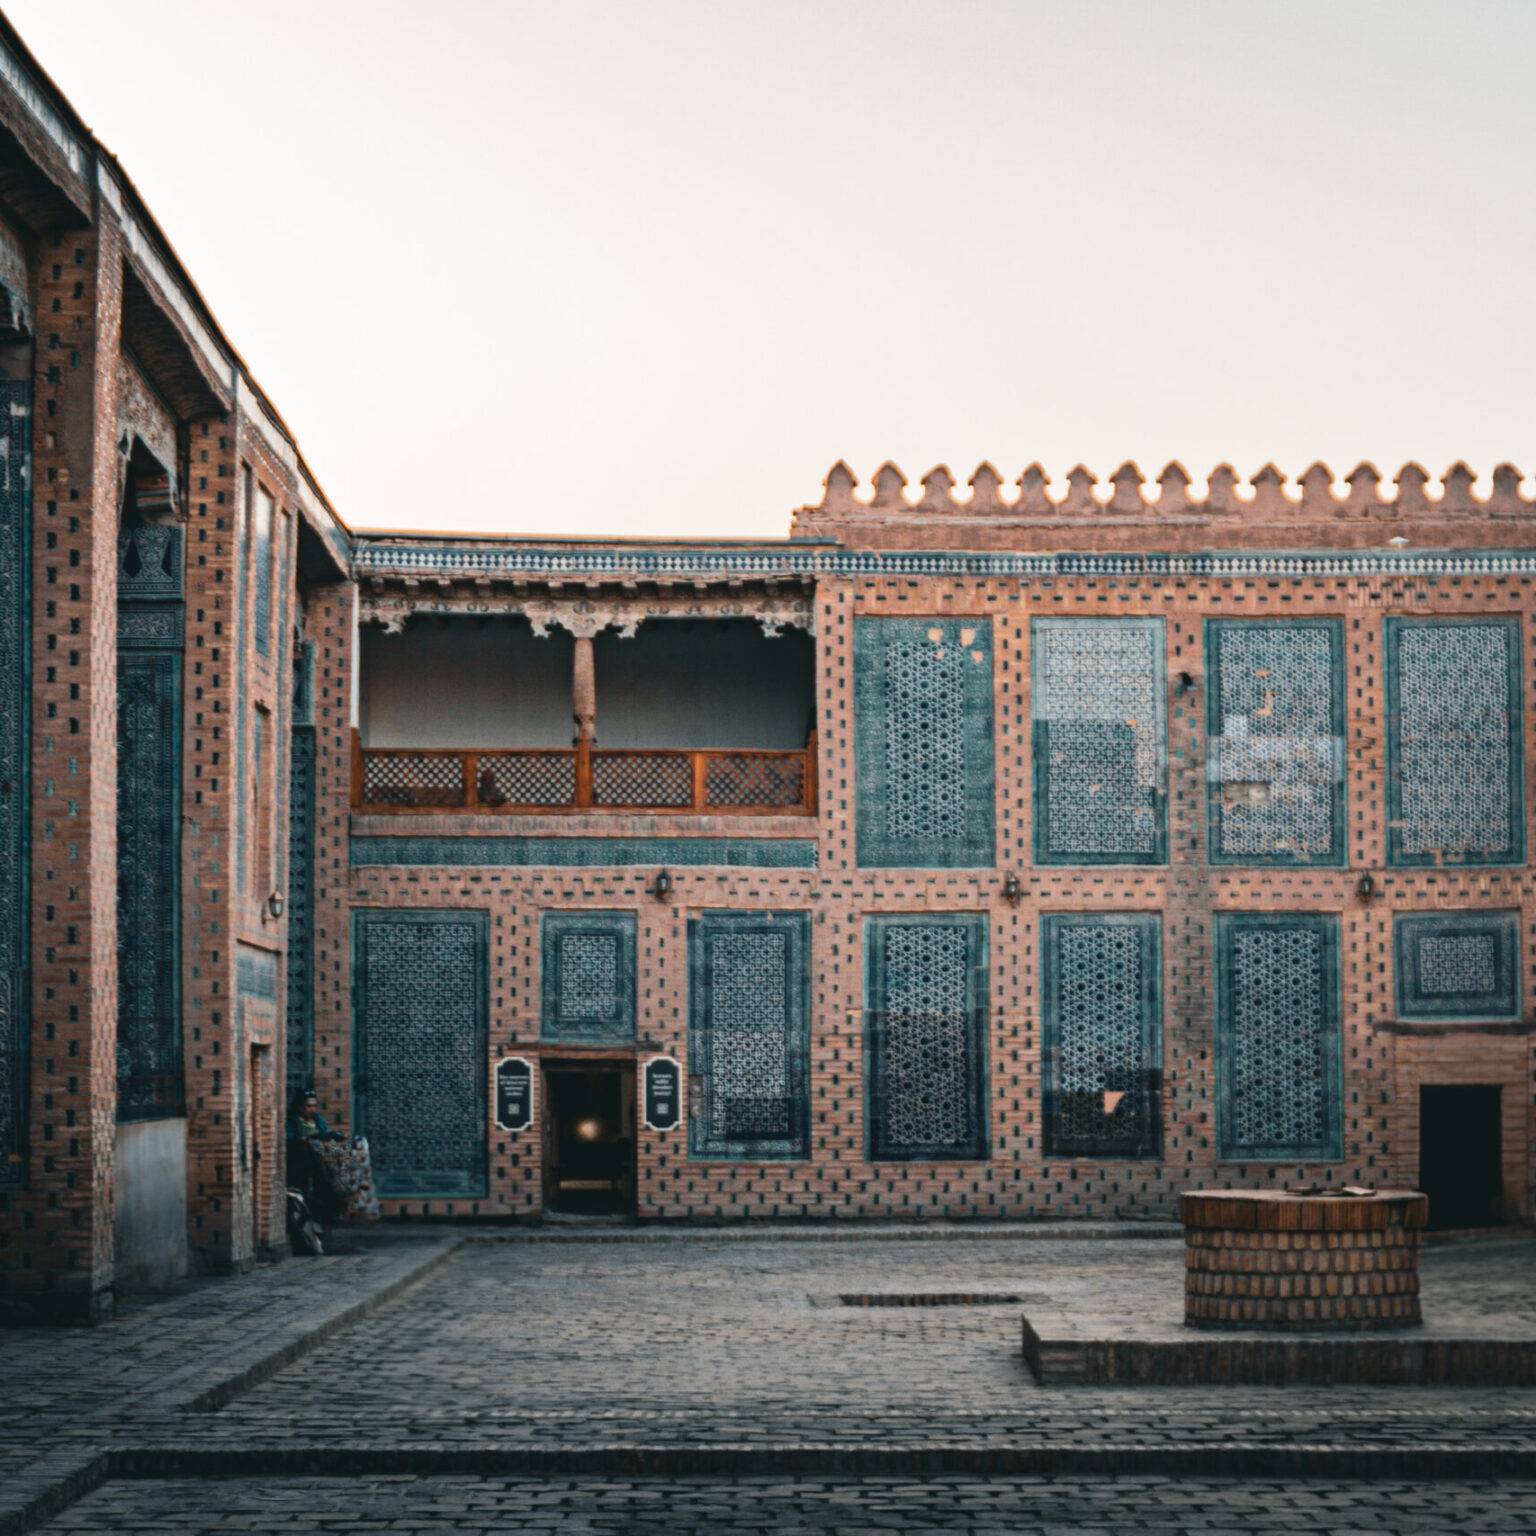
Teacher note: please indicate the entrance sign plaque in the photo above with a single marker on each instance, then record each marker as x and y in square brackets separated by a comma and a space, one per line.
[663, 1094]
[514, 1093]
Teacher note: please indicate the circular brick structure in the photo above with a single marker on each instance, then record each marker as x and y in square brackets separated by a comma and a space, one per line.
[1261, 1258]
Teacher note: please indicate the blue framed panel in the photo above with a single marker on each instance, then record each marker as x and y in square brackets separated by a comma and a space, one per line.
[1279, 1052]
[419, 1000]
[1457, 965]
[749, 1035]
[1275, 727]
[300, 1003]
[1100, 730]
[925, 1035]
[150, 628]
[1102, 1015]
[588, 976]
[15, 772]
[1455, 749]
[922, 699]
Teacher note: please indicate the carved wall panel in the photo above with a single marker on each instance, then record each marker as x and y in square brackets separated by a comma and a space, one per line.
[1457, 965]
[588, 980]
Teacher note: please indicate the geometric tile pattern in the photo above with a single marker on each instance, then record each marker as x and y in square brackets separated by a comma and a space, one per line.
[261, 555]
[1277, 1036]
[149, 683]
[15, 758]
[1102, 1076]
[588, 983]
[584, 852]
[925, 1037]
[923, 725]
[299, 1056]
[1455, 785]
[1457, 965]
[1275, 735]
[1100, 741]
[420, 1021]
[749, 1035]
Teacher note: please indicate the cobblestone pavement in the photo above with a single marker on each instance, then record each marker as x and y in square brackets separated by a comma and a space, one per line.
[469, 1505]
[519, 1345]
[514, 1343]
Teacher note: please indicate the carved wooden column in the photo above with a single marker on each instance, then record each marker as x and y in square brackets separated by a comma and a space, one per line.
[584, 714]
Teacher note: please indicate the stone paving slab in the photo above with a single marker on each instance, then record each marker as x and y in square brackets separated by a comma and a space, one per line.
[1031, 1506]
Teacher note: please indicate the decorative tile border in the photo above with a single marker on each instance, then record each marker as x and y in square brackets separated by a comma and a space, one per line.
[1457, 965]
[583, 852]
[381, 557]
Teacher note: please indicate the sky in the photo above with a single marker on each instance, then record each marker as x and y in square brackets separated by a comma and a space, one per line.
[606, 267]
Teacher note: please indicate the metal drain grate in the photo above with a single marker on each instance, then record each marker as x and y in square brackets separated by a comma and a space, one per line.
[932, 1299]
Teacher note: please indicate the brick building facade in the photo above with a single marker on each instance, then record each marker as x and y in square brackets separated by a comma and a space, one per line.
[997, 854]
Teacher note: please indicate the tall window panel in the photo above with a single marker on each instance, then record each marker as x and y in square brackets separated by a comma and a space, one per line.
[420, 1053]
[1278, 1050]
[749, 1035]
[1102, 1004]
[15, 762]
[1100, 741]
[1455, 777]
[925, 991]
[261, 555]
[1275, 734]
[300, 1001]
[923, 741]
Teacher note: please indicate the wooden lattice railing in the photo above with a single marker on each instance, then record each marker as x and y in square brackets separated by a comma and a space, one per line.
[540, 781]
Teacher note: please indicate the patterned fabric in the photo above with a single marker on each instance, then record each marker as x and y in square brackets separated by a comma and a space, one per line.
[1102, 1071]
[349, 1168]
[923, 727]
[1100, 741]
[1454, 744]
[421, 1036]
[925, 995]
[1278, 1036]
[1276, 733]
[749, 1036]
[1457, 965]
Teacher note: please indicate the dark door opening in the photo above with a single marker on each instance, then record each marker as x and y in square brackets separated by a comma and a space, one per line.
[589, 1140]
[1460, 1153]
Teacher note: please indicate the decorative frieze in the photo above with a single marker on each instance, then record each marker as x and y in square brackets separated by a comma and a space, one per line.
[585, 852]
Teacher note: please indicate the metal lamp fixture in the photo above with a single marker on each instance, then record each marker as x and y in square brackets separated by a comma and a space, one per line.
[662, 885]
[1366, 888]
[1012, 890]
[275, 904]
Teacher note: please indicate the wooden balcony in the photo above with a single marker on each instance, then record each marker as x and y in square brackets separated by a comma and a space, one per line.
[538, 781]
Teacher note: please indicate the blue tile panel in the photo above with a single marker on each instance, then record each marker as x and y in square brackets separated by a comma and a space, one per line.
[1457, 965]
[1275, 734]
[588, 976]
[792, 558]
[1100, 741]
[299, 1009]
[1102, 1006]
[749, 1009]
[1278, 1047]
[925, 1031]
[15, 763]
[1455, 774]
[150, 619]
[261, 556]
[420, 1047]
[923, 740]
[256, 973]
[584, 852]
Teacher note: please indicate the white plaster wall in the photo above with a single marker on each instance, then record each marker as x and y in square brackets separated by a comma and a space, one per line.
[465, 683]
[703, 683]
[150, 1230]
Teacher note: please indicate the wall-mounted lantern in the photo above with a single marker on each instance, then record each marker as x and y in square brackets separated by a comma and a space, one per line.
[661, 886]
[1012, 890]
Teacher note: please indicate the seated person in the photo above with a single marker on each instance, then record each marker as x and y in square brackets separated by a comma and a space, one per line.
[306, 1173]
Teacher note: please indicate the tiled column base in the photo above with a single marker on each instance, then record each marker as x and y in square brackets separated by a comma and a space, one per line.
[1267, 1259]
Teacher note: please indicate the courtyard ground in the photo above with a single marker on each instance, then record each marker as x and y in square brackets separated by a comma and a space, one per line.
[445, 1380]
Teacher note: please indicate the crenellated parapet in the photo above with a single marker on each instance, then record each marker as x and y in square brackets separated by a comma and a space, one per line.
[1267, 508]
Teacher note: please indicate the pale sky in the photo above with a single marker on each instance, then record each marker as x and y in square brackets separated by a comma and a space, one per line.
[650, 266]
